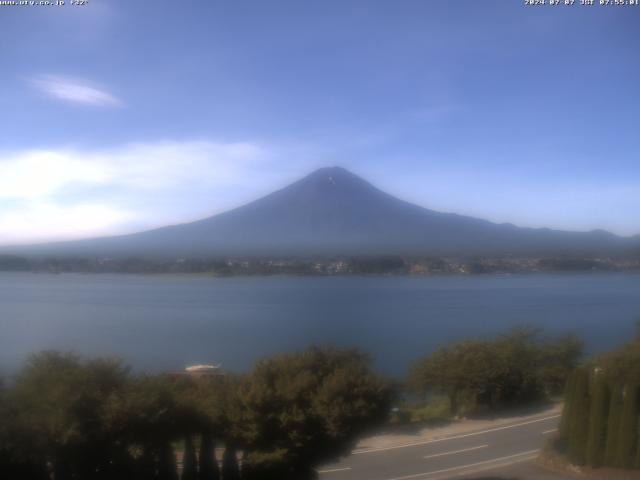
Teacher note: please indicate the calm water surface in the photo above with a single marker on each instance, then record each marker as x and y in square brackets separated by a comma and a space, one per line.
[159, 323]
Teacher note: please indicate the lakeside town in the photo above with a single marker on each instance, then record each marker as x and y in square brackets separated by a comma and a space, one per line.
[370, 265]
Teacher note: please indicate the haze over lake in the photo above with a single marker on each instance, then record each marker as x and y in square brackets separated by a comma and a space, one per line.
[166, 322]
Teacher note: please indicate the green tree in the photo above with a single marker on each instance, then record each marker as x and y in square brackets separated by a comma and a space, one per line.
[513, 369]
[310, 407]
[208, 465]
[598, 420]
[11, 463]
[636, 463]
[436, 374]
[60, 411]
[230, 467]
[557, 359]
[152, 418]
[167, 468]
[266, 466]
[461, 370]
[564, 428]
[622, 364]
[516, 374]
[627, 437]
[189, 460]
[578, 421]
[613, 425]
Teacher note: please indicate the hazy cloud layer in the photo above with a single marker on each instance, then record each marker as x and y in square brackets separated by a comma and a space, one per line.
[68, 193]
[75, 91]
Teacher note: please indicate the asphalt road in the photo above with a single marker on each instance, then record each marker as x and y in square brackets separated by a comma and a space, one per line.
[508, 448]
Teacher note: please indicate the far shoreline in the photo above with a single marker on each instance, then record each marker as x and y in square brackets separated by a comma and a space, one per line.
[208, 275]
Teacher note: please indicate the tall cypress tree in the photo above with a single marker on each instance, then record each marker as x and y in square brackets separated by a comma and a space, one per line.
[23, 470]
[249, 471]
[579, 427]
[597, 421]
[189, 460]
[209, 469]
[145, 466]
[637, 460]
[613, 425]
[628, 428]
[567, 411]
[62, 470]
[167, 469]
[230, 467]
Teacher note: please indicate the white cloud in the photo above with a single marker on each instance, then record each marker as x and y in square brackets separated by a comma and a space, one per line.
[42, 220]
[36, 174]
[71, 193]
[40, 173]
[75, 90]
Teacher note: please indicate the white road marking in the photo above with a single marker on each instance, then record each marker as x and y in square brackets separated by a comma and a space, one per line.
[484, 468]
[332, 470]
[549, 431]
[456, 451]
[455, 437]
[485, 462]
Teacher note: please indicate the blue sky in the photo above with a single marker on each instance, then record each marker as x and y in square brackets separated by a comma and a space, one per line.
[119, 116]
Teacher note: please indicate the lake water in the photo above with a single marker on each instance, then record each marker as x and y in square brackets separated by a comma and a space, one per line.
[167, 322]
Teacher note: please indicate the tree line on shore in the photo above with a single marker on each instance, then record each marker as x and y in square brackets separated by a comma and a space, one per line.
[516, 368]
[67, 417]
[600, 426]
[64, 417]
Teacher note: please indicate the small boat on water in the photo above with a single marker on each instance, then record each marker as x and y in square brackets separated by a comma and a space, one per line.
[203, 369]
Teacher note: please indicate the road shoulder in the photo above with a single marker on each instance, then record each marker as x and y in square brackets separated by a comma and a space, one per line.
[391, 440]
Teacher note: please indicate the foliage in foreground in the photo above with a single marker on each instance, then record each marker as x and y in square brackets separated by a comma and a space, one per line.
[310, 407]
[601, 420]
[513, 369]
[71, 418]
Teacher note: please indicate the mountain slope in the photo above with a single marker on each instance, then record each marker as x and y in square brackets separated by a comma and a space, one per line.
[334, 212]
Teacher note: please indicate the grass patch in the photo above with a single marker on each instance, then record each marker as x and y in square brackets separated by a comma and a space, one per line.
[436, 409]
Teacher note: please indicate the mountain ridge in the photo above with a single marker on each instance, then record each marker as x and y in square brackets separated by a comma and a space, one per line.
[335, 212]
